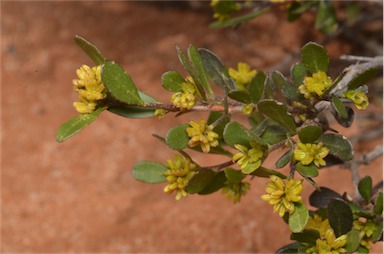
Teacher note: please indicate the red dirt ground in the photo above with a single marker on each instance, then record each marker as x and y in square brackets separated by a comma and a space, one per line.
[79, 196]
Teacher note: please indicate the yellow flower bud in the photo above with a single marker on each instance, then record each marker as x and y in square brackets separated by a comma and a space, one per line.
[242, 76]
[203, 135]
[315, 85]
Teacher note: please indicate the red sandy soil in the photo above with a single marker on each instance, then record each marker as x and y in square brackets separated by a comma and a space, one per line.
[79, 196]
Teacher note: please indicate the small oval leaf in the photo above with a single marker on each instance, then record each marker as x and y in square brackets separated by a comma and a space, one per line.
[149, 172]
[235, 133]
[285, 159]
[171, 81]
[177, 137]
[365, 188]
[307, 170]
[256, 86]
[339, 107]
[321, 198]
[120, 84]
[314, 57]
[310, 133]
[307, 236]
[278, 112]
[233, 175]
[379, 204]
[199, 181]
[299, 218]
[353, 241]
[340, 216]
[266, 173]
[76, 124]
[339, 146]
[90, 50]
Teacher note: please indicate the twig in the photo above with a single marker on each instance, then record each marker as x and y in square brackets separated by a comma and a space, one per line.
[365, 159]
[353, 70]
[219, 166]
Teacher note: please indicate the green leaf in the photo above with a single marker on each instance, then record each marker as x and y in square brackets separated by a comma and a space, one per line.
[240, 96]
[197, 61]
[266, 173]
[177, 137]
[132, 112]
[307, 170]
[379, 204]
[377, 232]
[362, 78]
[146, 98]
[353, 241]
[299, 218]
[314, 57]
[307, 236]
[278, 79]
[278, 112]
[340, 216]
[289, 248]
[274, 133]
[339, 146]
[310, 133]
[217, 182]
[171, 81]
[199, 181]
[298, 73]
[233, 175]
[285, 159]
[256, 86]
[235, 133]
[238, 20]
[321, 198]
[120, 84]
[90, 50]
[339, 107]
[76, 124]
[326, 18]
[149, 172]
[365, 188]
[216, 69]
[345, 122]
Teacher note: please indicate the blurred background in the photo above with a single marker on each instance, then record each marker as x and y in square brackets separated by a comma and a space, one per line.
[79, 196]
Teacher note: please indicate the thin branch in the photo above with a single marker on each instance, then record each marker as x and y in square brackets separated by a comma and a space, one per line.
[365, 159]
[219, 166]
[353, 70]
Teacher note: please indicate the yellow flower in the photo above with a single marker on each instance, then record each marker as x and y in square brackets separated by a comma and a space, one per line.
[315, 84]
[90, 88]
[366, 230]
[160, 113]
[185, 99]
[283, 194]
[358, 98]
[247, 109]
[203, 135]
[242, 76]
[317, 223]
[235, 190]
[178, 175]
[329, 244]
[249, 159]
[308, 153]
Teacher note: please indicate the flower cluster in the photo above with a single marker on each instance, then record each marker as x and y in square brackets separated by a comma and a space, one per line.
[308, 153]
[235, 190]
[249, 159]
[90, 88]
[359, 98]
[283, 194]
[327, 243]
[315, 84]
[242, 76]
[366, 230]
[186, 98]
[203, 135]
[179, 172]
